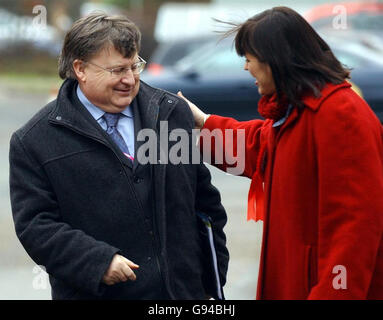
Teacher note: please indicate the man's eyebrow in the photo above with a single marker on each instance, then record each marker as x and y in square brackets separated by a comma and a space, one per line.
[117, 66]
[121, 65]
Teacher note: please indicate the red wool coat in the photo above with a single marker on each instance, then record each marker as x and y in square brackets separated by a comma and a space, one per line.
[323, 197]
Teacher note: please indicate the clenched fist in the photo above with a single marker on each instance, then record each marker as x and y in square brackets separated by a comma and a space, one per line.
[120, 270]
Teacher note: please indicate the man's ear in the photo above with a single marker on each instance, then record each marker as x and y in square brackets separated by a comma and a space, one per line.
[79, 70]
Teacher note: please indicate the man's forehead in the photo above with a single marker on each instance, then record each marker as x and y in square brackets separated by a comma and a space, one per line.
[112, 55]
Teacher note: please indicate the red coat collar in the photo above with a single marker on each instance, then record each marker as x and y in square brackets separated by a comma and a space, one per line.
[314, 103]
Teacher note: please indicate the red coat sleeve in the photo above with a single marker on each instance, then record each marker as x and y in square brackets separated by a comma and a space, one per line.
[235, 144]
[350, 195]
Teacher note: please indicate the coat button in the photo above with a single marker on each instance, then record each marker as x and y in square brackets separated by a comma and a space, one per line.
[137, 179]
[170, 101]
[58, 118]
[149, 258]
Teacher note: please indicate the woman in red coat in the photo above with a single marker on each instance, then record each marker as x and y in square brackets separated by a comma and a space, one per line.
[316, 164]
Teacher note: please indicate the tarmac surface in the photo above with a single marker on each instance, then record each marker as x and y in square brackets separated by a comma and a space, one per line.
[21, 279]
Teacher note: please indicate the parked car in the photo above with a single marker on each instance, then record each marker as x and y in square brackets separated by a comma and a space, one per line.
[350, 22]
[360, 15]
[169, 52]
[213, 77]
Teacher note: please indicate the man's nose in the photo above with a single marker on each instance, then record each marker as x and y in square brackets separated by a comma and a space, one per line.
[128, 78]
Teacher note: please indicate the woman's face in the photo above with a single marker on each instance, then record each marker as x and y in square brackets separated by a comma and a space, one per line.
[262, 73]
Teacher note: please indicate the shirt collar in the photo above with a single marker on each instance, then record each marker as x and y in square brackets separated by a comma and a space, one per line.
[283, 120]
[95, 111]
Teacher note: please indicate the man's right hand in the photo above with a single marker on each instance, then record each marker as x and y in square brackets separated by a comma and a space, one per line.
[120, 270]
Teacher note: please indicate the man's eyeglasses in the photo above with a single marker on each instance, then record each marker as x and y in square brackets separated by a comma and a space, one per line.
[136, 68]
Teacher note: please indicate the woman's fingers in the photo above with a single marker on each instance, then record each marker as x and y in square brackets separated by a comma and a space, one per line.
[199, 116]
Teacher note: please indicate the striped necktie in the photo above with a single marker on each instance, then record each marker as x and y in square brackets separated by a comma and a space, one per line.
[111, 120]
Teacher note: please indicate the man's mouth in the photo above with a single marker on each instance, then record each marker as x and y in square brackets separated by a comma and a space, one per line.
[127, 90]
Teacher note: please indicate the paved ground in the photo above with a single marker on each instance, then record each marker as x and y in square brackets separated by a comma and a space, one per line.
[19, 277]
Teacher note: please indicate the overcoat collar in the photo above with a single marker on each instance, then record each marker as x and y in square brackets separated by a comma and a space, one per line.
[314, 103]
[148, 98]
[69, 112]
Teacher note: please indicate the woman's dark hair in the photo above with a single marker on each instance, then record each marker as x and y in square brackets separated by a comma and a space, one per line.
[300, 60]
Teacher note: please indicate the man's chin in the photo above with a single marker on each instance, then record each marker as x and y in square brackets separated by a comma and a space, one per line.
[123, 103]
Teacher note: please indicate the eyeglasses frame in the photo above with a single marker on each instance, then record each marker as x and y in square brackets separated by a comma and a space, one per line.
[126, 69]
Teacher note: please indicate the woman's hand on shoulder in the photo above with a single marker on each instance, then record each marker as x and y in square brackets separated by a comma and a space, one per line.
[199, 116]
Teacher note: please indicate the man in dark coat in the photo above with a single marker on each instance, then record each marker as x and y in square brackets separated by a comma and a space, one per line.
[103, 223]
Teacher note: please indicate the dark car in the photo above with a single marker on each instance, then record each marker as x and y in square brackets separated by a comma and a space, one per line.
[214, 78]
[360, 15]
[168, 52]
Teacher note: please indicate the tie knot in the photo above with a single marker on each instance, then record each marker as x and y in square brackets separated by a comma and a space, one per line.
[111, 119]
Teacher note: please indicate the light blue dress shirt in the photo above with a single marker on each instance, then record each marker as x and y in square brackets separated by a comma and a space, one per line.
[125, 124]
[283, 120]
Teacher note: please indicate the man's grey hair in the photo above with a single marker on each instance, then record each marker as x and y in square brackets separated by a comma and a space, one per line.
[93, 33]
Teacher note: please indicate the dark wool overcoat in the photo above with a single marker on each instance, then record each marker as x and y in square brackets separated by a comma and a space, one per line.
[76, 202]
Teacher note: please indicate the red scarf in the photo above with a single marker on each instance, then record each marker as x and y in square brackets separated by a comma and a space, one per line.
[268, 108]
